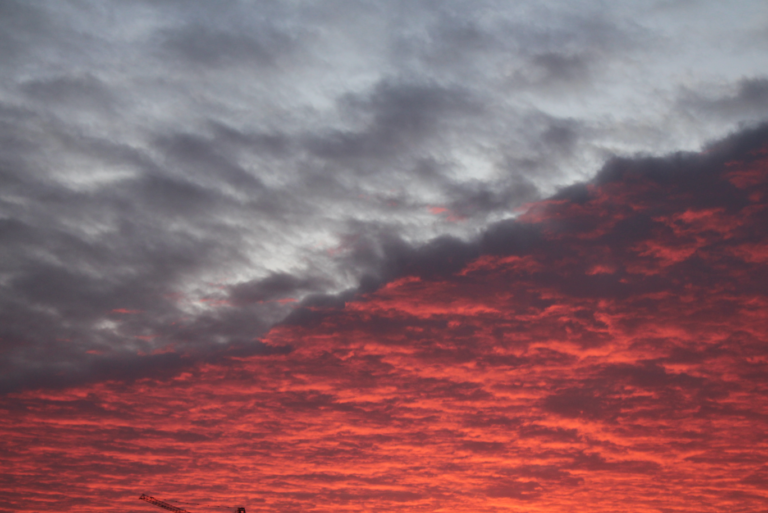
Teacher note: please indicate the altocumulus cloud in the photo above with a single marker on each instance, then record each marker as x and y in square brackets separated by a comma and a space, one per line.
[604, 351]
[177, 176]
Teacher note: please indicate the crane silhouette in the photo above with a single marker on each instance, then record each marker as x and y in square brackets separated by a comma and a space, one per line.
[171, 507]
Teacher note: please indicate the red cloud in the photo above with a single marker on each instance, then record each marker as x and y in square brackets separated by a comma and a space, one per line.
[618, 362]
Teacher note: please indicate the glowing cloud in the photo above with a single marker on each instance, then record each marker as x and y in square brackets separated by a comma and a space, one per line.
[605, 352]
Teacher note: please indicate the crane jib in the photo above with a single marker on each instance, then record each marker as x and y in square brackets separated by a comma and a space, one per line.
[162, 504]
[171, 507]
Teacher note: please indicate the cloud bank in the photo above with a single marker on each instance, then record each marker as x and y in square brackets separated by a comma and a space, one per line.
[604, 351]
[177, 175]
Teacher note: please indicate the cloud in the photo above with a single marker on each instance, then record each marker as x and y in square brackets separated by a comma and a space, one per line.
[277, 287]
[201, 45]
[746, 100]
[400, 117]
[84, 92]
[183, 184]
[605, 347]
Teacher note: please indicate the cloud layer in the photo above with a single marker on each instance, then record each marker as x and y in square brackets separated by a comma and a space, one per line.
[605, 351]
[175, 174]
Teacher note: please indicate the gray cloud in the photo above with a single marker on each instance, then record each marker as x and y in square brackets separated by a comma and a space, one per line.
[747, 100]
[554, 68]
[398, 117]
[279, 286]
[80, 92]
[171, 172]
[201, 45]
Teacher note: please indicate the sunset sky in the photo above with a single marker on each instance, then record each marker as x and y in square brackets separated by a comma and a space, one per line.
[391, 256]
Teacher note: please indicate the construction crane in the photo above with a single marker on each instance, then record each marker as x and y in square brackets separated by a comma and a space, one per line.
[162, 504]
[171, 507]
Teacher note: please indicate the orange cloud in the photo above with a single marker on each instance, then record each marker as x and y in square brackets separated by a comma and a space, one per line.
[616, 363]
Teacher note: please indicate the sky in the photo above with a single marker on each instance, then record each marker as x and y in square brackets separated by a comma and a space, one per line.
[384, 256]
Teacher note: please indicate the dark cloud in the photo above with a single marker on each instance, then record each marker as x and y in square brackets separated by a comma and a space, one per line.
[553, 70]
[629, 231]
[173, 173]
[200, 160]
[399, 118]
[109, 307]
[748, 101]
[519, 490]
[280, 286]
[383, 257]
[578, 403]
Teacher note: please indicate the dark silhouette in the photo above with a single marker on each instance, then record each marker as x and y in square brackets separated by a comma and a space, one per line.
[171, 507]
